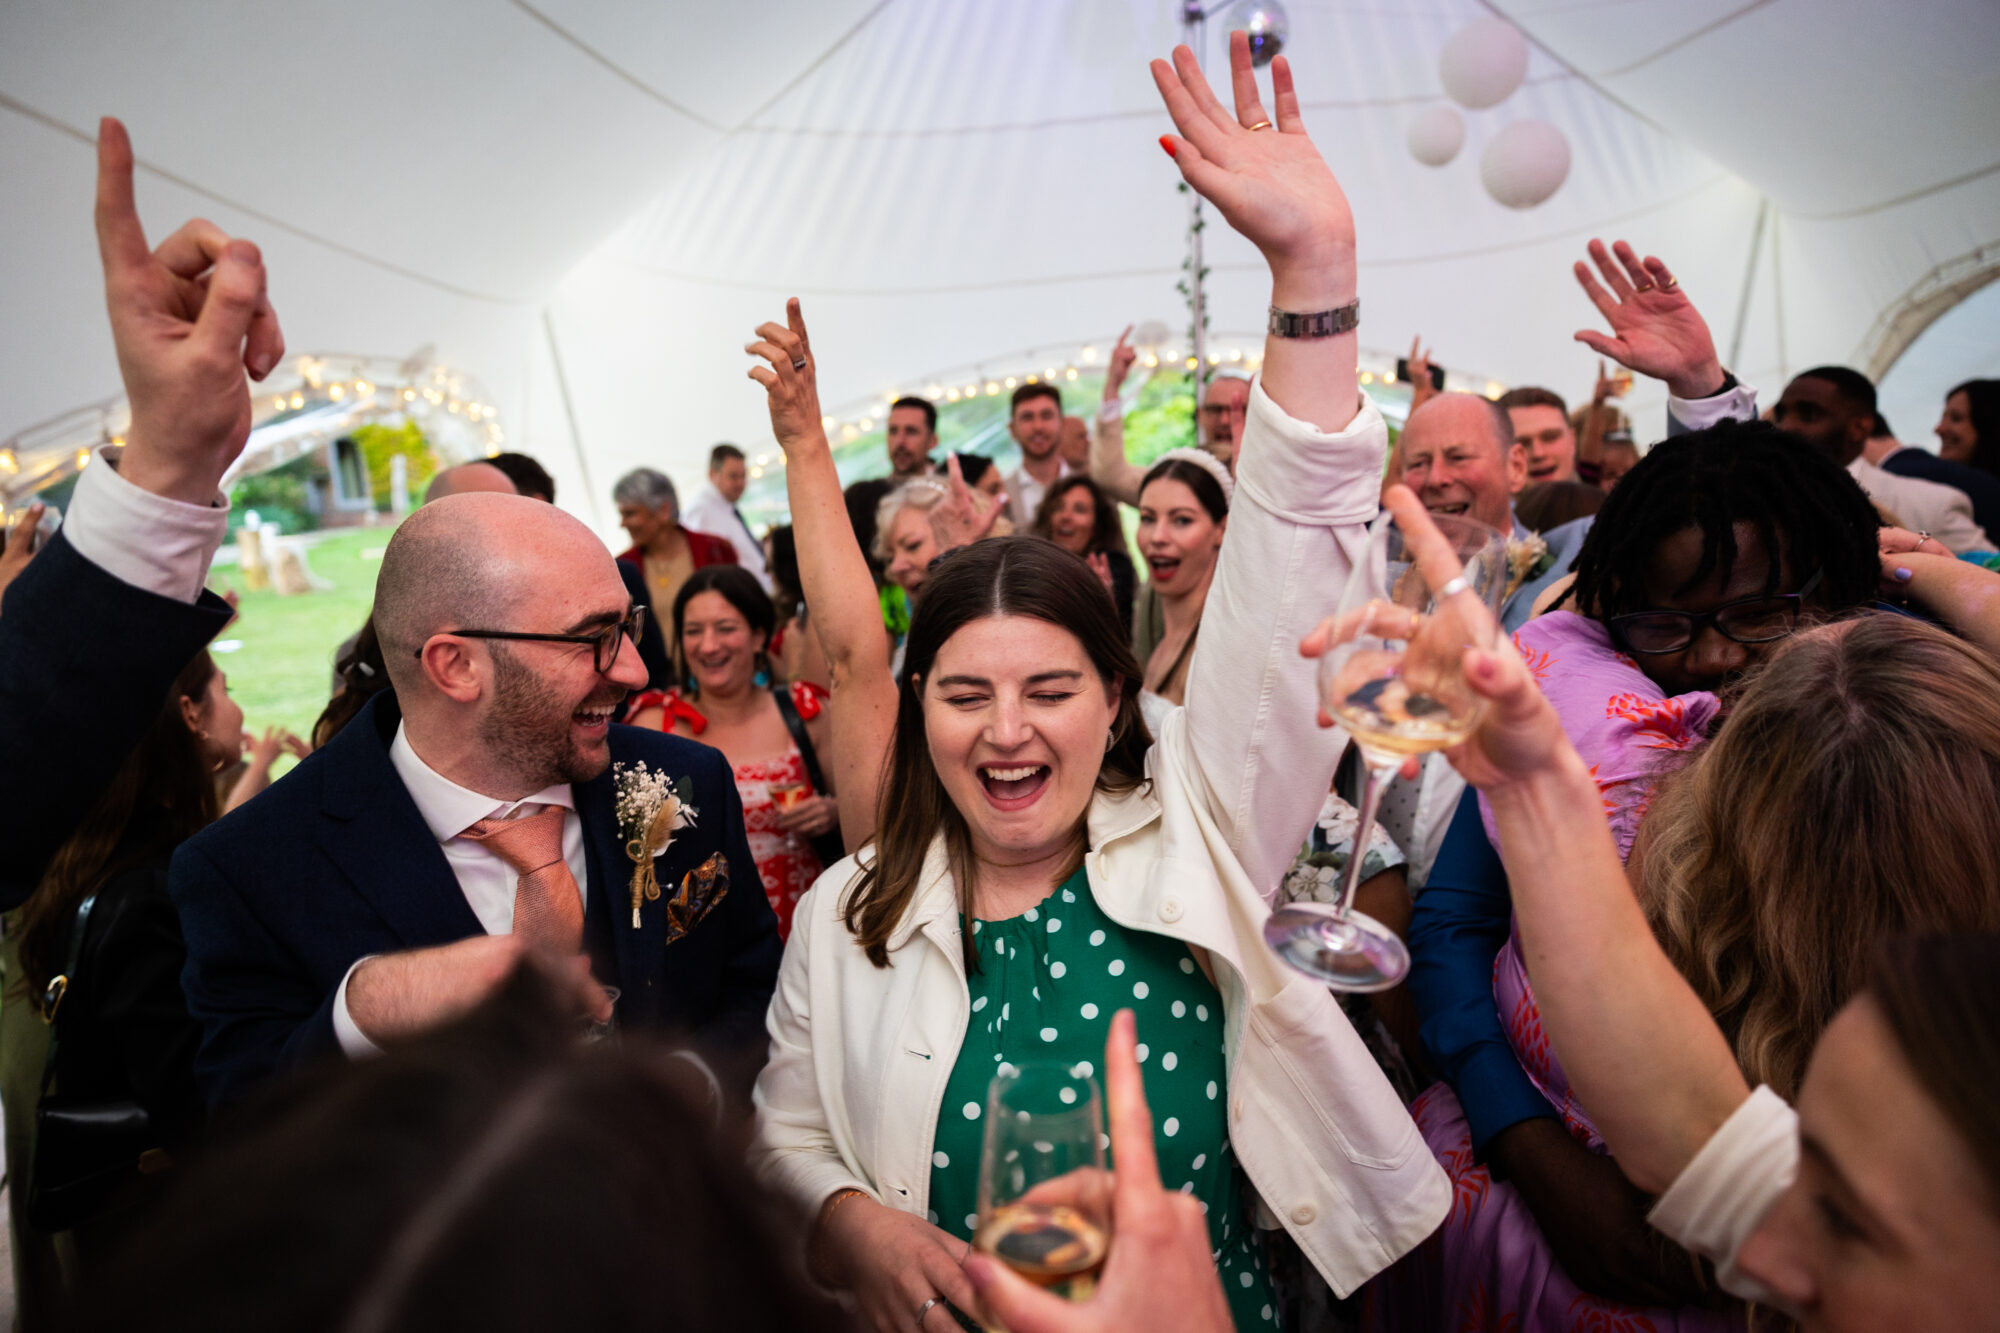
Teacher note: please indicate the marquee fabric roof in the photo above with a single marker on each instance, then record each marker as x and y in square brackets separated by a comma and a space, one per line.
[587, 206]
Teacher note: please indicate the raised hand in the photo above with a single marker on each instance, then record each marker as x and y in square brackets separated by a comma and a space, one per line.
[1122, 357]
[17, 545]
[1421, 388]
[1271, 185]
[966, 515]
[187, 319]
[790, 381]
[1100, 565]
[1655, 328]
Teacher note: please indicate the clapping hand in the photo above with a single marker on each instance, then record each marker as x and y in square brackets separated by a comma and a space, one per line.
[1122, 357]
[1655, 329]
[187, 319]
[790, 380]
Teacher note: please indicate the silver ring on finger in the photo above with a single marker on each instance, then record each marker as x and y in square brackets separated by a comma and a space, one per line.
[925, 1308]
[798, 363]
[1454, 588]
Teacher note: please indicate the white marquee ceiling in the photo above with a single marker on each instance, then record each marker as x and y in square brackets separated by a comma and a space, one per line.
[624, 190]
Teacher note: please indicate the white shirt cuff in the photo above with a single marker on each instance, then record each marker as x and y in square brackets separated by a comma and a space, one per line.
[353, 1042]
[163, 546]
[1738, 403]
[1722, 1196]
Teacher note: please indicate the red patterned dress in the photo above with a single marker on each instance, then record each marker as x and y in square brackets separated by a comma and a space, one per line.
[784, 859]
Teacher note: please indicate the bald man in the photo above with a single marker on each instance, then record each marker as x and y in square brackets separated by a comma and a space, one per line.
[468, 818]
[468, 478]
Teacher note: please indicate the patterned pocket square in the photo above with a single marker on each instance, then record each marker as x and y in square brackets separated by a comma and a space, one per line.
[699, 892]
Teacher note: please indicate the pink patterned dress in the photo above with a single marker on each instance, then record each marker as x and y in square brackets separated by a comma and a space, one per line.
[785, 860]
[1488, 1268]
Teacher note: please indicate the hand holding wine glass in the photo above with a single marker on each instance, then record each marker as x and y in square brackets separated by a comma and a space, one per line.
[1158, 1274]
[1426, 591]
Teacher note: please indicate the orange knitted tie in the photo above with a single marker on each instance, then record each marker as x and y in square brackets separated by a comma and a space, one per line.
[548, 909]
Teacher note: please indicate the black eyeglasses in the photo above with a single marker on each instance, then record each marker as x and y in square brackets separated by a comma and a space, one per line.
[604, 644]
[1747, 620]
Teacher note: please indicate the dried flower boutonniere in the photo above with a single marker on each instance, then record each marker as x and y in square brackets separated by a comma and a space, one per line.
[651, 808]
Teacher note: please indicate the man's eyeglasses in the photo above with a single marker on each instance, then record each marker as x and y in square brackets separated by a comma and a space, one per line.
[1747, 620]
[604, 644]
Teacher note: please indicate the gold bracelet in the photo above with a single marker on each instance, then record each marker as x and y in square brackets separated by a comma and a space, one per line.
[815, 1243]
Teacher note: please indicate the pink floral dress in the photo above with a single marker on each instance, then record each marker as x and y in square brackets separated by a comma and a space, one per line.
[785, 860]
[1488, 1267]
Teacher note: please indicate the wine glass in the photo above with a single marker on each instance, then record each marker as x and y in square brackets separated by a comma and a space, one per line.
[1395, 679]
[1044, 1121]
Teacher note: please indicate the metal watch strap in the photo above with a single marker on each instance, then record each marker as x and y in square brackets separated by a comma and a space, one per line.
[1318, 324]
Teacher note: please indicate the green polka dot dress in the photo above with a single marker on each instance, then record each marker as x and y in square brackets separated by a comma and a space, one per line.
[1048, 982]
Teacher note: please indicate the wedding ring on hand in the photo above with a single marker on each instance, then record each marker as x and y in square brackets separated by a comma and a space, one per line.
[925, 1308]
[1454, 588]
[798, 363]
[1260, 125]
[1643, 287]
[1669, 282]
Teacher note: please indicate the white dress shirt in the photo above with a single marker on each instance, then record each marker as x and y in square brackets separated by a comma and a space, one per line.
[163, 546]
[1723, 1195]
[487, 881]
[709, 512]
[1945, 512]
[1024, 493]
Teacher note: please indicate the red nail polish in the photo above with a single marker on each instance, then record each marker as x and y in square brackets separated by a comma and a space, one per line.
[1167, 144]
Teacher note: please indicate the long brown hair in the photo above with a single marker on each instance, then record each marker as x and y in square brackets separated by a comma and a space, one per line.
[1105, 532]
[363, 675]
[1852, 795]
[1001, 576]
[163, 795]
[1941, 997]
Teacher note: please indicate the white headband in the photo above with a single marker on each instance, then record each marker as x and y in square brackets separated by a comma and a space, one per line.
[1206, 461]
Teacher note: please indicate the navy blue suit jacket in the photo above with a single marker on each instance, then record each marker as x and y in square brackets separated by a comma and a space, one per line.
[85, 663]
[1981, 487]
[333, 862]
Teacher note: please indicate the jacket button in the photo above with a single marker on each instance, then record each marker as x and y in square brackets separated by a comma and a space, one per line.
[1170, 910]
[1304, 1214]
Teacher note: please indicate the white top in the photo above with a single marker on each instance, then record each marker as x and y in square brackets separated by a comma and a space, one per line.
[163, 546]
[1721, 1196]
[708, 512]
[1945, 512]
[487, 881]
[860, 1055]
[1024, 493]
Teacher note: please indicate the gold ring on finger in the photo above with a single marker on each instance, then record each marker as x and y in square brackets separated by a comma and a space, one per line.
[1260, 125]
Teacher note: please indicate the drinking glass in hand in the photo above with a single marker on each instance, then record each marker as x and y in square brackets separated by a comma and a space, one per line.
[1394, 678]
[1044, 1200]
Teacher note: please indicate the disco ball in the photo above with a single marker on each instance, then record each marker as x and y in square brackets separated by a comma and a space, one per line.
[1270, 28]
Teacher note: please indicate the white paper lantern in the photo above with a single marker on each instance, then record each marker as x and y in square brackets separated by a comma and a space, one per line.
[1436, 136]
[1525, 163]
[1483, 63]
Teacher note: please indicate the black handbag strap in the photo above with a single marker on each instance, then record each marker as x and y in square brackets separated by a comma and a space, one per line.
[797, 726]
[61, 984]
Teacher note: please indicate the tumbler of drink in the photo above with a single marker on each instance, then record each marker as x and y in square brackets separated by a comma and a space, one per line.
[1040, 1211]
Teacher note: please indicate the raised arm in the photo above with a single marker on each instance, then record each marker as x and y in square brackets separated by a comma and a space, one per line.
[1115, 474]
[1306, 478]
[846, 618]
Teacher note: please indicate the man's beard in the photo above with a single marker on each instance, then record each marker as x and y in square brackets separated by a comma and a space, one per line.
[528, 727]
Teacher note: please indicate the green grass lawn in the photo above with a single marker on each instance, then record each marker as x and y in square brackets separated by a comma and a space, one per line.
[282, 670]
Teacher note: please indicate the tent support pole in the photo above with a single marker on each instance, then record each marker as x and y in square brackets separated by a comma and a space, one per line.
[1749, 281]
[1194, 31]
[569, 414]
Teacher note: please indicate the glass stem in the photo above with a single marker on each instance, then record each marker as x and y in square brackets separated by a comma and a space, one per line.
[1373, 784]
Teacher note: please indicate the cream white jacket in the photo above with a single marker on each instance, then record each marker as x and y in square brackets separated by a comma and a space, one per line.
[860, 1055]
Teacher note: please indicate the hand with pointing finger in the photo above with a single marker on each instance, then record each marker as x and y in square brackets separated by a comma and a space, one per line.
[188, 319]
[1122, 357]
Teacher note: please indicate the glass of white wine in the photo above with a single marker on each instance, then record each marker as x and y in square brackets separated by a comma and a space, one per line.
[1395, 680]
[1041, 1210]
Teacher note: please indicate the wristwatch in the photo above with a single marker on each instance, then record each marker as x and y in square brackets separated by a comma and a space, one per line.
[1318, 324]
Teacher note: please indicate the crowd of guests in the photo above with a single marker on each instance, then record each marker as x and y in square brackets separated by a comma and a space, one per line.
[1703, 1021]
